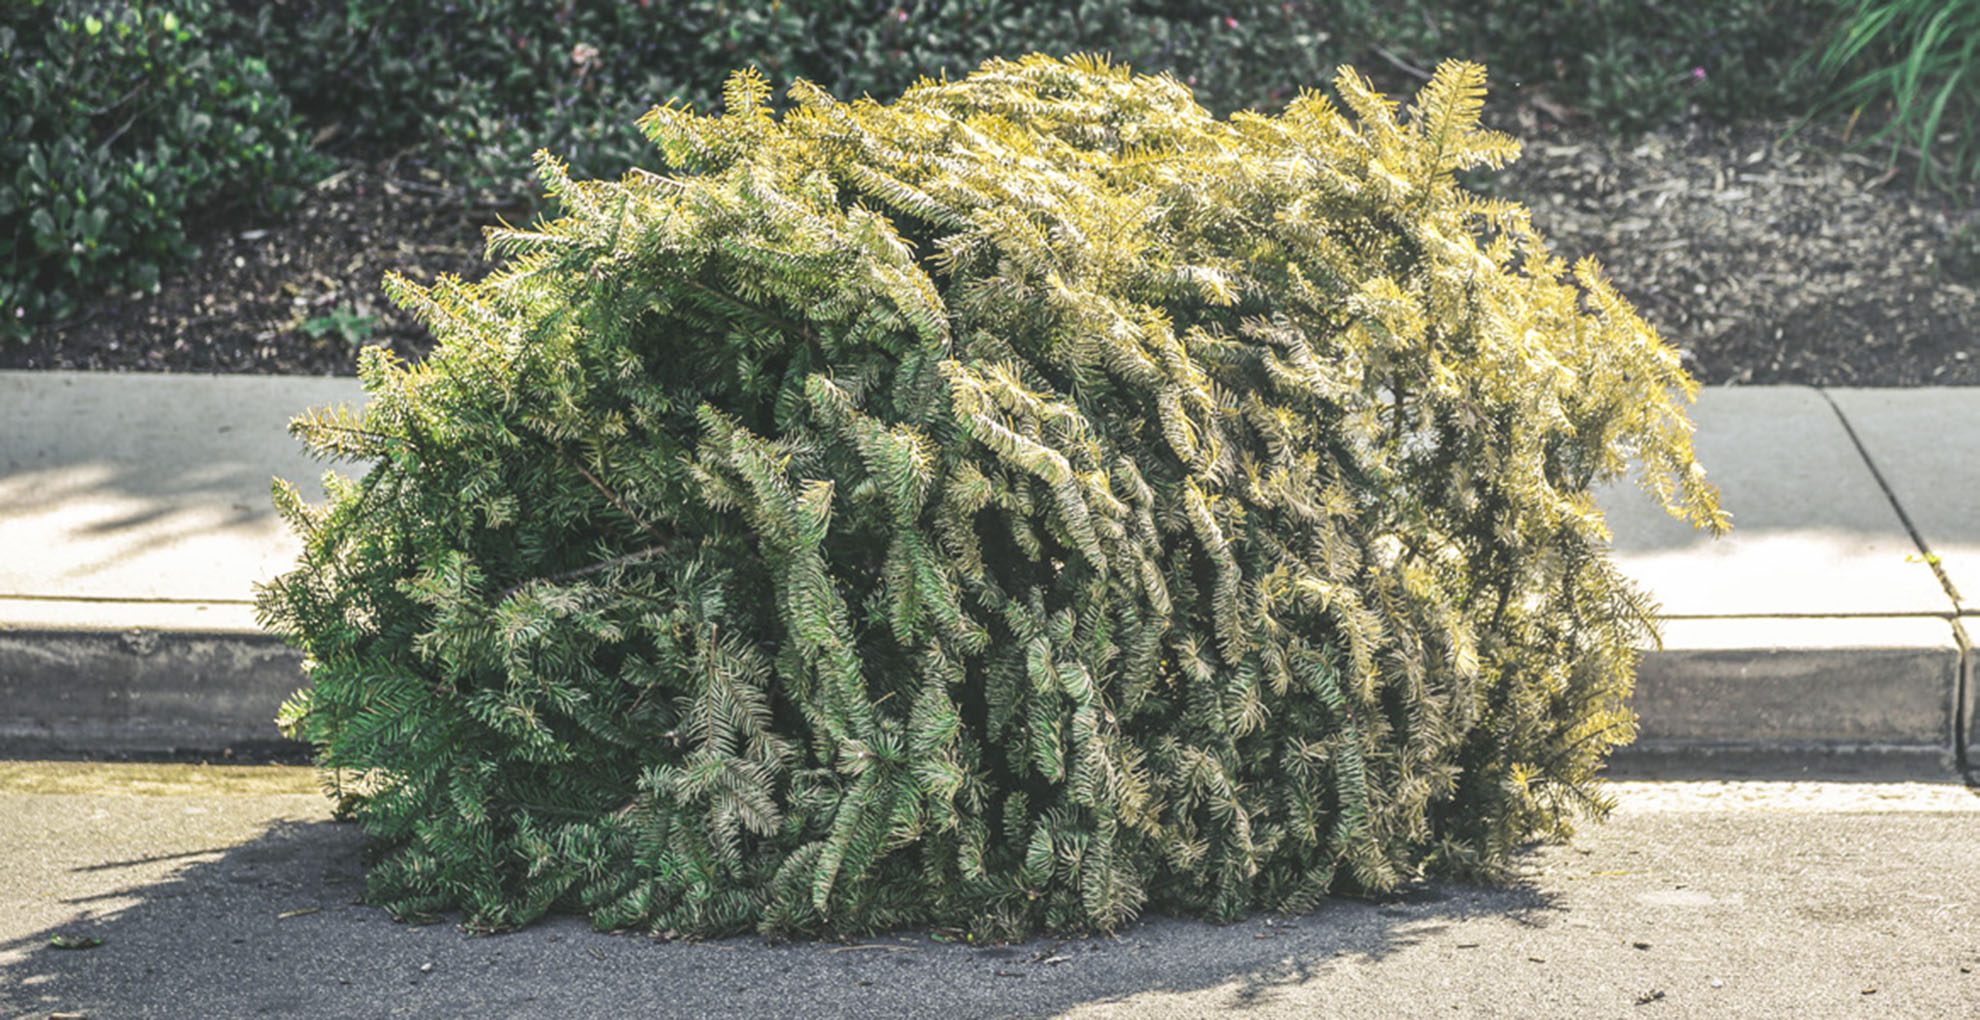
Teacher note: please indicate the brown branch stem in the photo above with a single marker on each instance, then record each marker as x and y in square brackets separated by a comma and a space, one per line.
[612, 497]
[573, 574]
[799, 328]
[1402, 65]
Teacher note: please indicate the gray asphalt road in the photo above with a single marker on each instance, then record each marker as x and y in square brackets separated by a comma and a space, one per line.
[229, 894]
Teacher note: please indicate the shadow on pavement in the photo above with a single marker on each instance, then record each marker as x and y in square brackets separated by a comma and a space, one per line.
[122, 487]
[268, 927]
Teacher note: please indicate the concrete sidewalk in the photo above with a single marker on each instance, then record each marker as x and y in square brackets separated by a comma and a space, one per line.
[135, 519]
[227, 892]
[1832, 616]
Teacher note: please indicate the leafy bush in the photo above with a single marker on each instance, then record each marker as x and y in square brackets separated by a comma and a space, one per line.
[470, 84]
[1958, 253]
[1014, 506]
[1916, 59]
[120, 120]
[476, 83]
[1631, 64]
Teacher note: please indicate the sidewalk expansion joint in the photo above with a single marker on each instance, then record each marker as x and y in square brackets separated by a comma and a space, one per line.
[1963, 685]
[1963, 681]
[1890, 496]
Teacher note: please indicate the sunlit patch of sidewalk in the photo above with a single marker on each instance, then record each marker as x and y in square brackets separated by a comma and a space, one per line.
[154, 779]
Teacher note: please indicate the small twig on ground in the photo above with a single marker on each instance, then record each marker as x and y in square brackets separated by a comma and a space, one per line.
[425, 189]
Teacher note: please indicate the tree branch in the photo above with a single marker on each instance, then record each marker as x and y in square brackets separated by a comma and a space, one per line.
[799, 328]
[1400, 64]
[604, 490]
[636, 556]
[613, 497]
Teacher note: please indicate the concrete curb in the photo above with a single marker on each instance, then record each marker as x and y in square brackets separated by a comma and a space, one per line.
[161, 679]
[1867, 684]
[1966, 720]
[172, 688]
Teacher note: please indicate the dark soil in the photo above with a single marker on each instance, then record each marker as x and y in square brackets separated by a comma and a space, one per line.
[297, 296]
[1765, 261]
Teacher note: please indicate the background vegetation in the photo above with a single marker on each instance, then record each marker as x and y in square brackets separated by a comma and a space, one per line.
[1912, 61]
[124, 125]
[134, 124]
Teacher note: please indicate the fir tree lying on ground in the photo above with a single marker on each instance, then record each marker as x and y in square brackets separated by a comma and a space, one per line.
[1016, 506]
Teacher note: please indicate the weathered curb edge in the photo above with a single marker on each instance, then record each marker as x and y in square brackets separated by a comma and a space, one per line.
[92, 678]
[1823, 683]
[142, 690]
[1966, 737]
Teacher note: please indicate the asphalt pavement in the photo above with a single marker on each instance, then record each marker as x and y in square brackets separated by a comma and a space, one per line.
[227, 891]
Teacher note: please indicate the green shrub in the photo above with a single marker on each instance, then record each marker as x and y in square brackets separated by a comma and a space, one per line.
[1913, 66]
[475, 83]
[1015, 506]
[1631, 64]
[121, 120]
[465, 86]
[1958, 253]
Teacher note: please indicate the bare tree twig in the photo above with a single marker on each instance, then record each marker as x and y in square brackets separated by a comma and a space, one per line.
[1401, 65]
[121, 100]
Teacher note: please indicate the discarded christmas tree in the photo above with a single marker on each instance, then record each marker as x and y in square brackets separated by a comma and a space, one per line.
[1016, 506]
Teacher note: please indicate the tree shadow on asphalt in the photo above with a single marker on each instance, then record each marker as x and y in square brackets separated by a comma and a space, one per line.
[270, 926]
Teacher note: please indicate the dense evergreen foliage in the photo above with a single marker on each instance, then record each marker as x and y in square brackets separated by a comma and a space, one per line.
[1016, 506]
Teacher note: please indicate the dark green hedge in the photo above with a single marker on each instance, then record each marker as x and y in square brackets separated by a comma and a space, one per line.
[122, 122]
[123, 136]
[478, 85]
[1632, 64]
